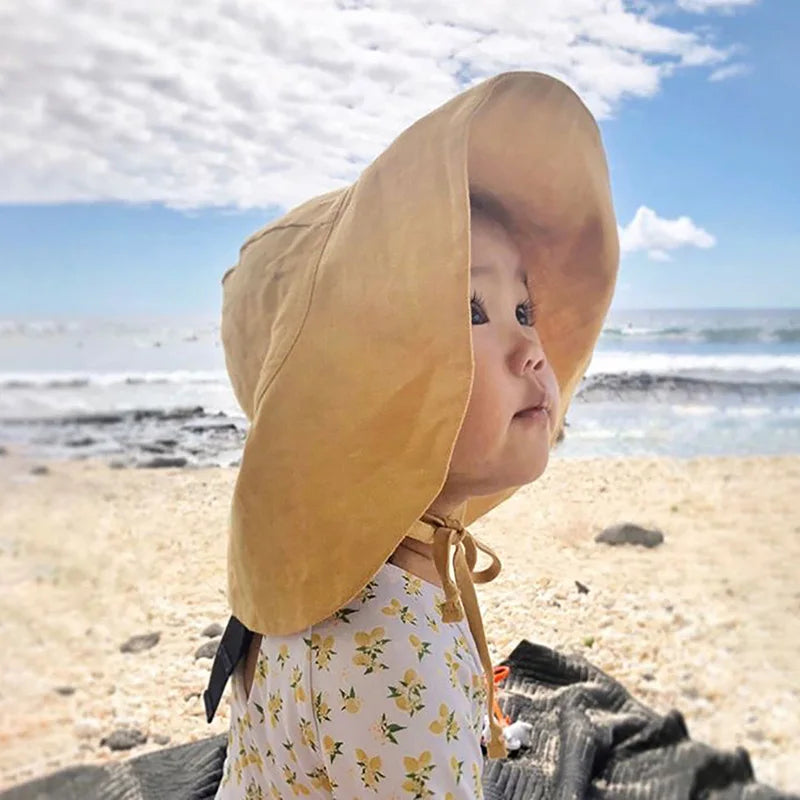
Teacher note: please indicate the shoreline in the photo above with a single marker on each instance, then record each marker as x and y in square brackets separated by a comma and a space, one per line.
[708, 622]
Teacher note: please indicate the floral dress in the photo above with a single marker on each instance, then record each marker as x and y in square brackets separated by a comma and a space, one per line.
[381, 700]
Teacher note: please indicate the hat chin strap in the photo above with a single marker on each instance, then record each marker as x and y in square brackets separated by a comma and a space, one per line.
[460, 595]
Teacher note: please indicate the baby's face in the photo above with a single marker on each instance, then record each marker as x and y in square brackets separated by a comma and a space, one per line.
[496, 450]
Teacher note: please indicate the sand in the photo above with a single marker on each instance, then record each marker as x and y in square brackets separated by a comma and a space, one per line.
[708, 622]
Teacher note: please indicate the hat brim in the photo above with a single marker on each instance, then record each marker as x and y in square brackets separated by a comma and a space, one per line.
[347, 332]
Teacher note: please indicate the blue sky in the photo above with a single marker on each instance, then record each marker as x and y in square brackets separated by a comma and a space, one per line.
[114, 161]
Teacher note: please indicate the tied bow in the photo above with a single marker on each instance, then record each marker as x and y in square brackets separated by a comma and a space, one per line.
[460, 598]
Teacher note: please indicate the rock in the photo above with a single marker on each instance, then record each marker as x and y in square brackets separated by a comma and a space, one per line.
[582, 588]
[141, 642]
[175, 414]
[161, 738]
[86, 441]
[3, 451]
[40, 469]
[159, 449]
[162, 461]
[87, 728]
[92, 419]
[124, 739]
[631, 385]
[207, 650]
[630, 533]
[208, 428]
[214, 629]
[64, 691]
[117, 464]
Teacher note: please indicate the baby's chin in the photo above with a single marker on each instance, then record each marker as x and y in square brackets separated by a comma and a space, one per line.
[506, 477]
[538, 470]
[531, 467]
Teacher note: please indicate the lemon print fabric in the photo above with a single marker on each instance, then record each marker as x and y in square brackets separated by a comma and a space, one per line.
[381, 700]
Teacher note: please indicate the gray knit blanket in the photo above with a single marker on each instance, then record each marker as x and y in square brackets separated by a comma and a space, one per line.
[591, 741]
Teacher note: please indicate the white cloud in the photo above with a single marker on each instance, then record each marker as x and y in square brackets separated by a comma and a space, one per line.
[704, 6]
[256, 103]
[730, 71]
[657, 236]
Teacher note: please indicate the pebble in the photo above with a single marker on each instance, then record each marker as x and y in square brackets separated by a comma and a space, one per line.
[214, 629]
[630, 533]
[207, 650]
[141, 642]
[163, 461]
[123, 739]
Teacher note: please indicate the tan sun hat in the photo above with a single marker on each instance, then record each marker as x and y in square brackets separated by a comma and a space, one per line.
[346, 327]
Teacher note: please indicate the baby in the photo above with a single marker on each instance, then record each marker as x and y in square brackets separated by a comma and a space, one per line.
[405, 349]
[498, 445]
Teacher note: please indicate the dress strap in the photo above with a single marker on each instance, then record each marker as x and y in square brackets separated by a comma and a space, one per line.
[232, 648]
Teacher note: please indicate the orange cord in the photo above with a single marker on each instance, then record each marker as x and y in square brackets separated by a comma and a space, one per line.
[500, 674]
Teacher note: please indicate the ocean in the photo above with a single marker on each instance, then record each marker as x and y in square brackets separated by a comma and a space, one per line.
[154, 392]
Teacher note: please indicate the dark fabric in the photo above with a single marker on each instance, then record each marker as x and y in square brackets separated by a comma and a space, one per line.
[232, 647]
[591, 741]
[187, 772]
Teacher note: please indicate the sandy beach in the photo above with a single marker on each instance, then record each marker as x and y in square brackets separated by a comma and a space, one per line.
[708, 622]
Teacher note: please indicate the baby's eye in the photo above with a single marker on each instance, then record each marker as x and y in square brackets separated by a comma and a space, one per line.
[476, 310]
[528, 308]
